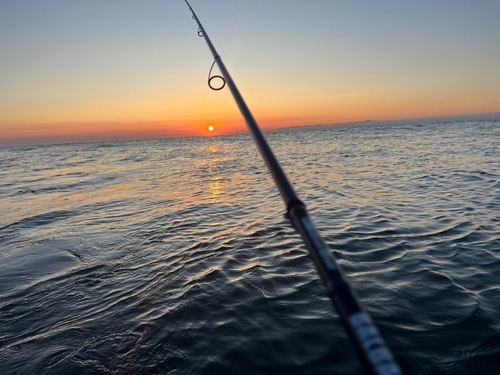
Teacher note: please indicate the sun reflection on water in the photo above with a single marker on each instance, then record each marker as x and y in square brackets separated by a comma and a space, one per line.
[215, 189]
[214, 183]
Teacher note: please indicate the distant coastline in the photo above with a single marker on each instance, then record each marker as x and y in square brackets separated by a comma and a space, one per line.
[67, 139]
[411, 121]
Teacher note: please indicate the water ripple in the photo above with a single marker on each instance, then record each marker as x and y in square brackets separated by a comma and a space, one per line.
[173, 256]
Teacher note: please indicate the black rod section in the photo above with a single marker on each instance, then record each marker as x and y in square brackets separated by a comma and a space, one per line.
[374, 354]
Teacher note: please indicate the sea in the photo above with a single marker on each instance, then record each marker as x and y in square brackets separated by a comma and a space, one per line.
[173, 256]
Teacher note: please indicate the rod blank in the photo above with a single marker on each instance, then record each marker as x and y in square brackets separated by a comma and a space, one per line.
[373, 353]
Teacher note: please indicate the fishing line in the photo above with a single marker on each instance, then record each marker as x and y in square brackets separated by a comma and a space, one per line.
[210, 78]
[200, 34]
[240, 73]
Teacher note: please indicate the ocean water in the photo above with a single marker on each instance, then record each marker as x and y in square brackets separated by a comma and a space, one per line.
[172, 256]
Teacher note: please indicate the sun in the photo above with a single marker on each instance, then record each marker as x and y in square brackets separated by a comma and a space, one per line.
[211, 128]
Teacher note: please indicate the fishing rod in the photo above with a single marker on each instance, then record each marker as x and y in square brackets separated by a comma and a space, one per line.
[374, 354]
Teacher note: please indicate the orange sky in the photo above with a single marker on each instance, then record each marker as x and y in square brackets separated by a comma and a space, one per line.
[86, 71]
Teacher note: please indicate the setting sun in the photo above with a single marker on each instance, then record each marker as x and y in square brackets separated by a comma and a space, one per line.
[211, 128]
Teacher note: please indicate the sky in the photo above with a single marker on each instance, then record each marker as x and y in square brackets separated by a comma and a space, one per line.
[89, 70]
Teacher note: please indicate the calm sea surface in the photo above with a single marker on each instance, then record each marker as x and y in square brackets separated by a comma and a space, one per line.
[173, 255]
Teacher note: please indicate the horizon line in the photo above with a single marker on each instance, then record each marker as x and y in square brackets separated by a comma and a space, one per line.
[67, 139]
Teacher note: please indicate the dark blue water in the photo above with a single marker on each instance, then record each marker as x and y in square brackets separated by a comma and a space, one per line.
[173, 256]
